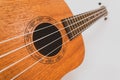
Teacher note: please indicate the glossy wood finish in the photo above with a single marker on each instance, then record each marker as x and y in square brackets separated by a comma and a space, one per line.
[14, 18]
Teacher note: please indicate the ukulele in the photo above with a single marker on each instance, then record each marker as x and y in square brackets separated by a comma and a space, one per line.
[41, 39]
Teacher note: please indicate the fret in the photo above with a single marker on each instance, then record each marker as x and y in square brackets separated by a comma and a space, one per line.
[77, 20]
[86, 25]
[70, 26]
[82, 16]
[67, 27]
[76, 24]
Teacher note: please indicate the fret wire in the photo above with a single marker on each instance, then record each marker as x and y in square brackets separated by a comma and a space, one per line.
[64, 21]
[76, 24]
[69, 27]
[72, 27]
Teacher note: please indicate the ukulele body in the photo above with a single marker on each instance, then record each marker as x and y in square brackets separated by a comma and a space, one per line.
[16, 18]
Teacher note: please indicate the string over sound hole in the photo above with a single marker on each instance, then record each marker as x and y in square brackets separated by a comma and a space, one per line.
[51, 41]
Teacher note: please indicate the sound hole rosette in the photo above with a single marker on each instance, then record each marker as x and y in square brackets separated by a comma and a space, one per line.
[29, 38]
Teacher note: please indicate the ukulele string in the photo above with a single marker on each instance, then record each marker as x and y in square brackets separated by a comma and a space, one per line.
[32, 65]
[15, 37]
[36, 50]
[50, 52]
[7, 53]
[48, 66]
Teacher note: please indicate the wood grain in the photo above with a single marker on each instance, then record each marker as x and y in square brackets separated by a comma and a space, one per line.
[14, 18]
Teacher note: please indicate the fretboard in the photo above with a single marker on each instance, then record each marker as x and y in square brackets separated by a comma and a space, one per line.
[75, 25]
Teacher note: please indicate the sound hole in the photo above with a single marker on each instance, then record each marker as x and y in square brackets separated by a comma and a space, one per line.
[50, 43]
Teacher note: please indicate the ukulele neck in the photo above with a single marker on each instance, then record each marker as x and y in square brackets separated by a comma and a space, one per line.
[75, 25]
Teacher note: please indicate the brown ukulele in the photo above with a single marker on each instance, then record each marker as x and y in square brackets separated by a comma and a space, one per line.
[41, 39]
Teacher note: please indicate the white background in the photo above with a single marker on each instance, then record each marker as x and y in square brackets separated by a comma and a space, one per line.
[102, 43]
